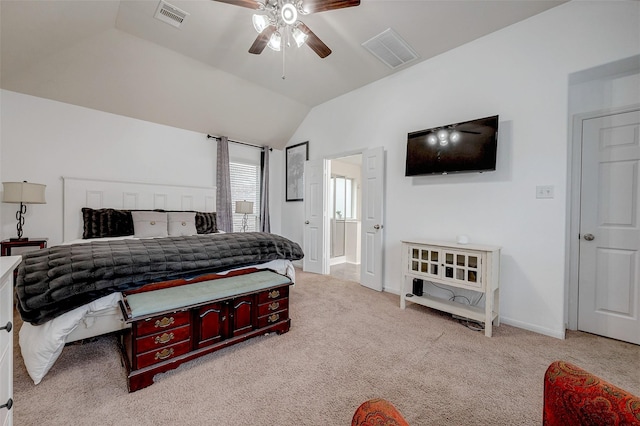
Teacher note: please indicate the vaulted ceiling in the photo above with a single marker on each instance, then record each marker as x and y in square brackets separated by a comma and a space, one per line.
[114, 56]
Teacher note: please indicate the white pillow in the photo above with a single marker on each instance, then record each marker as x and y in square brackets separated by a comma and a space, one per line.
[149, 224]
[182, 223]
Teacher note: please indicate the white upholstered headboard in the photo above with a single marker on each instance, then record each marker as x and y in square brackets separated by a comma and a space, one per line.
[97, 194]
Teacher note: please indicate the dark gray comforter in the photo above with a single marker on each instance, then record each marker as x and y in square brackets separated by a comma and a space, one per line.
[61, 278]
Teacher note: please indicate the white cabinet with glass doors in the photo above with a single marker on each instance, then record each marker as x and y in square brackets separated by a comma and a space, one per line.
[467, 266]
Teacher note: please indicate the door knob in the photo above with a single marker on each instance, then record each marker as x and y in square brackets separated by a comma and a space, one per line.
[306, 222]
[7, 327]
[377, 226]
[589, 237]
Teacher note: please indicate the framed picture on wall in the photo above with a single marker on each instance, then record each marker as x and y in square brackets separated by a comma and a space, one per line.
[295, 157]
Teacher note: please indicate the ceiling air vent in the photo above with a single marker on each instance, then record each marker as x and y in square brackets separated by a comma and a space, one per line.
[170, 14]
[390, 48]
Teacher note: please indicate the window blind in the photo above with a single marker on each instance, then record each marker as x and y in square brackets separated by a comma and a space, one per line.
[245, 186]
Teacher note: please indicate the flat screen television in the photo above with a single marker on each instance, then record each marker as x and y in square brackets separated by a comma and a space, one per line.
[470, 146]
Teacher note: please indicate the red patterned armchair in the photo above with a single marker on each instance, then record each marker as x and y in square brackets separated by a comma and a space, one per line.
[377, 412]
[572, 396]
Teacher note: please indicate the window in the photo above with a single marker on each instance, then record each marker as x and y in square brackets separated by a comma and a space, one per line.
[245, 186]
[343, 197]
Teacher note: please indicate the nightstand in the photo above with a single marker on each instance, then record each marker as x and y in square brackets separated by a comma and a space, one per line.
[8, 246]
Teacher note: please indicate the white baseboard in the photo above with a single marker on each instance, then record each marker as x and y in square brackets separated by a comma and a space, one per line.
[558, 334]
[391, 290]
[337, 260]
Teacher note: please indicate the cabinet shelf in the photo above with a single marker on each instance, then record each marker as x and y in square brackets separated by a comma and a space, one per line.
[469, 267]
[475, 313]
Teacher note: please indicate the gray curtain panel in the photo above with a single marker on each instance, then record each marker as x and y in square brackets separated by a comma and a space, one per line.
[223, 187]
[264, 192]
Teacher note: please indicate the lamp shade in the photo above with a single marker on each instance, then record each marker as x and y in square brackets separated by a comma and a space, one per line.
[23, 192]
[244, 207]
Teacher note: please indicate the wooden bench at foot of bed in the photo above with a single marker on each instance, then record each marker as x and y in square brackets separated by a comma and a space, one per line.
[170, 326]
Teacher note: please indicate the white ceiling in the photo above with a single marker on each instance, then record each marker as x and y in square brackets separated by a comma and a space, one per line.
[115, 56]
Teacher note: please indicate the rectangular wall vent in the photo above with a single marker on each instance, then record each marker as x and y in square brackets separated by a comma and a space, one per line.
[390, 48]
[170, 14]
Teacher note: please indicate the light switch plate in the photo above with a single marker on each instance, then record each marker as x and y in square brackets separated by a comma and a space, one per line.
[544, 191]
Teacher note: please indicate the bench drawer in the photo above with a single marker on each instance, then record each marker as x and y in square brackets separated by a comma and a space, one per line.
[273, 318]
[273, 294]
[161, 322]
[273, 306]
[154, 357]
[163, 338]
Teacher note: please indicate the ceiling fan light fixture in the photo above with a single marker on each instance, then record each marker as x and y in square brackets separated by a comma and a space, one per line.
[277, 18]
[260, 22]
[289, 13]
[443, 137]
[299, 36]
[275, 41]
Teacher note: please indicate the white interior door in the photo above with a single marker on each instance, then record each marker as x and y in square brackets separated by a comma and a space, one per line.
[372, 218]
[609, 271]
[316, 226]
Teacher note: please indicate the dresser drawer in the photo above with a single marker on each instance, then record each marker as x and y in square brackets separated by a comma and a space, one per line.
[273, 306]
[6, 315]
[153, 357]
[272, 318]
[161, 322]
[6, 386]
[163, 338]
[273, 294]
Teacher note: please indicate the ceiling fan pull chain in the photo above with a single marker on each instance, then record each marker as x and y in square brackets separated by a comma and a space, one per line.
[284, 49]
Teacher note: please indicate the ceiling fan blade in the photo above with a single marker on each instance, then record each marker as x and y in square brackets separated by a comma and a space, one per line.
[262, 40]
[314, 42]
[313, 6]
[251, 4]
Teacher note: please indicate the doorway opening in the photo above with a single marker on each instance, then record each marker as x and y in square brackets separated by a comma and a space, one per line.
[345, 217]
[603, 94]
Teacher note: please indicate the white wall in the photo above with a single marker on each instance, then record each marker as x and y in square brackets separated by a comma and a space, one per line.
[43, 140]
[2, 234]
[616, 84]
[520, 73]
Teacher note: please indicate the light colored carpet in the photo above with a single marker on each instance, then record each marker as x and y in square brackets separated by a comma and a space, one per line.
[346, 344]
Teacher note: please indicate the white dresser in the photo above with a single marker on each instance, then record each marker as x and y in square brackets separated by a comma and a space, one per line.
[7, 265]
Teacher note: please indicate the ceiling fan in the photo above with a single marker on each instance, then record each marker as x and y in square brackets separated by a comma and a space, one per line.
[279, 21]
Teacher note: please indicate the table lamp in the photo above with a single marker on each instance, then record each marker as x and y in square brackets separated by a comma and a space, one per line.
[246, 208]
[23, 193]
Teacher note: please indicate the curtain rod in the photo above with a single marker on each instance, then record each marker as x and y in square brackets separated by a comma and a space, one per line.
[238, 142]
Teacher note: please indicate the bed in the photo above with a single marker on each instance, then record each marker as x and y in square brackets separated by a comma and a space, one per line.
[54, 299]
